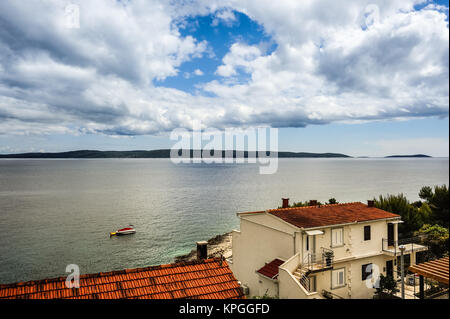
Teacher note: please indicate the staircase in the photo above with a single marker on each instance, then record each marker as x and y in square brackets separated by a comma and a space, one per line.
[301, 274]
[311, 263]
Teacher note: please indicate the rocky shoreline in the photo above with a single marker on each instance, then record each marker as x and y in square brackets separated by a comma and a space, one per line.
[217, 246]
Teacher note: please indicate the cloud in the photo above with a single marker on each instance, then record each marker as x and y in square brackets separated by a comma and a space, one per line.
[331, 64]
[240, 56]
[225, 16]
[198, 72]
[339, 64]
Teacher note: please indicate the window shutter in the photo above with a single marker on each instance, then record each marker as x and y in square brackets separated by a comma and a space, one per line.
[337, 278]
[366, 232]
[337, 237]
[365, 271]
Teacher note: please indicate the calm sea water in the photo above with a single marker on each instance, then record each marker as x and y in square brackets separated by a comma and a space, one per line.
[59, 212]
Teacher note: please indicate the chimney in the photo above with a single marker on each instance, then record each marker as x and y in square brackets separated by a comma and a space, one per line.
[312, 202]
[202, 250]
[371, 203]
[285, 202]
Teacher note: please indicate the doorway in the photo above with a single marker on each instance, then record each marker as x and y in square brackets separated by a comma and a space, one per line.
[389, 268]
[311, 248]
[390, 231]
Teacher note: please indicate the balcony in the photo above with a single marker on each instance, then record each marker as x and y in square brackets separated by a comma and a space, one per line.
[316, 262]
[412, 245]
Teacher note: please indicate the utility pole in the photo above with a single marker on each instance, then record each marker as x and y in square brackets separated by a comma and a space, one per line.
[402, 268]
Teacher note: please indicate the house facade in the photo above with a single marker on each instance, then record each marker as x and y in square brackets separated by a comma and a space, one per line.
[317, 251]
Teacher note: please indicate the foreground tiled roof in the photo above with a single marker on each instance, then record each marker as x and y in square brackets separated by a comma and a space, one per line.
[210, 279]
[271, 269]
[327, 215]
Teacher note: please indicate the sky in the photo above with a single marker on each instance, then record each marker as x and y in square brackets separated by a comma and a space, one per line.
[363, 78]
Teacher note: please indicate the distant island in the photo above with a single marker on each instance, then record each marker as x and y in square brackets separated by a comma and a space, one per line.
[416, 155]
[164, 153]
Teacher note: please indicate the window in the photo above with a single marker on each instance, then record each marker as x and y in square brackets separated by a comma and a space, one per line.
[337, 237]
[366, 232]
[367, 270]
[338, 278]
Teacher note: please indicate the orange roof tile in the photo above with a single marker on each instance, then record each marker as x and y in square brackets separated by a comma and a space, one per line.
[271, 269]
[327, 215]
[211, 278]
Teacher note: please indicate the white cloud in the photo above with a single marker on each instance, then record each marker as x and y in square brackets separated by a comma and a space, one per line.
[198, 72]
[328, 66]
[240, 56]
[225, 16]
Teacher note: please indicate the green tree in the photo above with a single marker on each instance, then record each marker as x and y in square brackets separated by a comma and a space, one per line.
[332, 201]
[436, 238]
[413, 217]
[302, 204]
[426, 193]
[387, 287]
[438, 200]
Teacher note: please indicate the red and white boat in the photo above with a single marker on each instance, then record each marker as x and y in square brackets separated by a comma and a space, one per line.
[124, 231]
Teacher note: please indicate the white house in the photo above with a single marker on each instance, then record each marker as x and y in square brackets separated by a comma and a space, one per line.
[317, 251]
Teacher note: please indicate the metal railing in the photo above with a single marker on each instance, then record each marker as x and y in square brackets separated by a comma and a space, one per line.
[392, 246]
[305, 282]
[315, 261]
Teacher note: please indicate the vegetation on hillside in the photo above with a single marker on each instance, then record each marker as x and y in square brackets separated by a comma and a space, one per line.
[308, 203]
[436, 238]
[163, 153]
[428, 218]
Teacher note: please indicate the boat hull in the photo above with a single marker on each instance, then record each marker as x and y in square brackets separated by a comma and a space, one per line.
[125, 232]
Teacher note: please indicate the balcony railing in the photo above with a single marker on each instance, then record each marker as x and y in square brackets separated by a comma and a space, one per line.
[319, 261]
[411, 245]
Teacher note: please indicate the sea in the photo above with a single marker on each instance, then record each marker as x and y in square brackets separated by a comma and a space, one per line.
[54, 213]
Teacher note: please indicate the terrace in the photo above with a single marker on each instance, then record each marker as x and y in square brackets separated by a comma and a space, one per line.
[411, 245]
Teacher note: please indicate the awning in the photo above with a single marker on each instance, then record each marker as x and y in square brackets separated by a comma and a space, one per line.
[270, 270]
[313, 232]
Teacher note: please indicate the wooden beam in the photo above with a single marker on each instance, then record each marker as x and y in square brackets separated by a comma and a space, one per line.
[436, 269]
[431, 269]
[433, 276]
[437, 264]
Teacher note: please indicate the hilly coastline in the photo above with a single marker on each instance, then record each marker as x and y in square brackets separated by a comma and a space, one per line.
[415, 155]
[164, 153]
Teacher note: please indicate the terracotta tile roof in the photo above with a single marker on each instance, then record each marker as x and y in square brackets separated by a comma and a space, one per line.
[271, 269]
[210, 279]
[327, 215]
